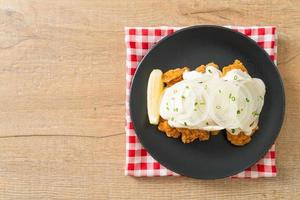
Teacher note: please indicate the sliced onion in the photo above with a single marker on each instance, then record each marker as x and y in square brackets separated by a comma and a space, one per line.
[212, 128]
[226, 104]
[245, 106]
[223, 104]
[253, 91]
[257, 89]
[182, 104]
[234, 131]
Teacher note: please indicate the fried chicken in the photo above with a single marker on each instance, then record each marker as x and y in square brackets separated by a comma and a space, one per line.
[239, 140]
[235, 65]
[173, 76]
[201, 68]
[189, 135]
[170, 131]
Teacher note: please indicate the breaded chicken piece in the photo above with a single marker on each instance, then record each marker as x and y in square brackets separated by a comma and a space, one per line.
[189, 135]
[235, 65]
[174, 81]
[173, 76]
[202, 134]
[202, 68]
[239, 140]
[170, 131]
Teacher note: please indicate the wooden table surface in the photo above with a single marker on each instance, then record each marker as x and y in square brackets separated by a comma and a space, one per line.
[62, 86]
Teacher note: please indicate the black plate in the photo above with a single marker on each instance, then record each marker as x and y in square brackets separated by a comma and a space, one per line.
[216, 158]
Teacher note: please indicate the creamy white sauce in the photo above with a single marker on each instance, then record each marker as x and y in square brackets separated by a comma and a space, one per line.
[210, 102]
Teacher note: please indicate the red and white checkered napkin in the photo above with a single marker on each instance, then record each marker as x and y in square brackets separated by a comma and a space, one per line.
[138, 41]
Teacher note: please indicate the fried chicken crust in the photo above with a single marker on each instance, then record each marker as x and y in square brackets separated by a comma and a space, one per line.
[187, 135]
[239, 140]
[201, 68]
[173, 76]
[235, 65]
[170, 131]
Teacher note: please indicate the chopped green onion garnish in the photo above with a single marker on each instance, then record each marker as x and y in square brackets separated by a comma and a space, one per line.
[232, 130]
[235, 77]
[220, 91]
[209, 71]
[202, 103]
[183, 97]
[185, 123]
[238, 112]
[218, 107]
[175, 109]
[261, 97]
[247, 100]
[196, 103]
[207, 123]
[187, 87]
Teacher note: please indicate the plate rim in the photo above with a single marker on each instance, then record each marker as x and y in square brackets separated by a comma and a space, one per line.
[274, 137]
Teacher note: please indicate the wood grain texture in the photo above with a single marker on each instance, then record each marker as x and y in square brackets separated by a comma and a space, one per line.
[62, 86]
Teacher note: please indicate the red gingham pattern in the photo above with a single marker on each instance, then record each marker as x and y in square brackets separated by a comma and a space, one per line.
[138, 41]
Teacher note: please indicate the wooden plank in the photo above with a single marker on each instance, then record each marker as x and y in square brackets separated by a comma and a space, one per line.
[77, 167]
[63, 87]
